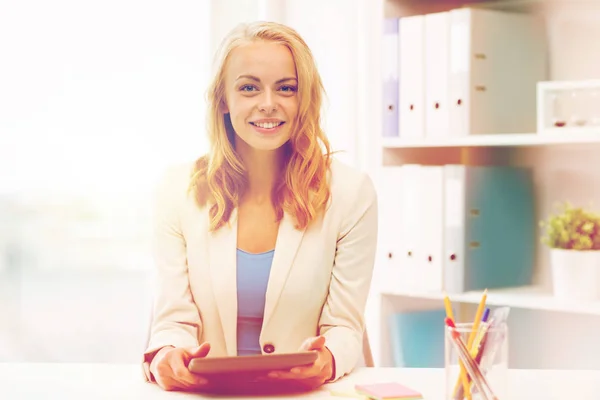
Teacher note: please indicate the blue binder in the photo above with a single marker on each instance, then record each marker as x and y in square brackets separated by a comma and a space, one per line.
[390, 90]
[490, 227]
[418, 339]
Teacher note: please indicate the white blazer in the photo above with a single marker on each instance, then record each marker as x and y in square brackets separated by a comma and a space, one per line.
[319, 280]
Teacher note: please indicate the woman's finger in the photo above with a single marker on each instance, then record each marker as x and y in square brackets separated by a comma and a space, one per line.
[313, 343]
[298, 372]
[183, 374]
[198, 352]
[171, 384]
[188, 378]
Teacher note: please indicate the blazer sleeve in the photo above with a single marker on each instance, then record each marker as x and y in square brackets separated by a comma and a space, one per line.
[342, 319]
[176, 319]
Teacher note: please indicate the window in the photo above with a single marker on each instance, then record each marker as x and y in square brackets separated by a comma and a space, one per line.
[96, 99]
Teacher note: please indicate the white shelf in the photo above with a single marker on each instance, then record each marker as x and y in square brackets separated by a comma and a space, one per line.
[528, 297]
[566, 136]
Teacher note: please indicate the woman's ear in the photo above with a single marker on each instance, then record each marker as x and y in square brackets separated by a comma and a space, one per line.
[223, 107]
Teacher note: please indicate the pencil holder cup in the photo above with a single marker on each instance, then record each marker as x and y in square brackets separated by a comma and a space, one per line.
[489, 351]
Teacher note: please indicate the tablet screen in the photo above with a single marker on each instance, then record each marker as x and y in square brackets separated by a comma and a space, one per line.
[247, 375]
[262, 363]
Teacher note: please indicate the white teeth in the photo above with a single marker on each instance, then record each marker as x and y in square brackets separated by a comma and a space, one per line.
[267, 125]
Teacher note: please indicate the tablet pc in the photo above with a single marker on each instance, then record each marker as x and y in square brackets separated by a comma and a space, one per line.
[251, 364]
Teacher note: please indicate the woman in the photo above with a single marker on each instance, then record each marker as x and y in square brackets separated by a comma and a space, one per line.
[266, 244]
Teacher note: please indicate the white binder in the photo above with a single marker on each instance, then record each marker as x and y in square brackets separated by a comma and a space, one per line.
[390, 82]
[454, 228]
[496, 59]
[437, 111]
[431, 245]
[412, 77]
[410, 225]
[390, 220]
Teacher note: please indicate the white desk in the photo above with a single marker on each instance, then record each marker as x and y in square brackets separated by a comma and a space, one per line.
[111, 382]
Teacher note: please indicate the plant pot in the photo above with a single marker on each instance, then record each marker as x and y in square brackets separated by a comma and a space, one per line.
[575, 274]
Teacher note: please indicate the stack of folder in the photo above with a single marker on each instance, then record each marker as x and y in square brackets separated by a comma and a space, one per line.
[466, 71]
[457, 228]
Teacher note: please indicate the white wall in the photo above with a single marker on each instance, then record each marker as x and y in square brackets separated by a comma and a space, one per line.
[573, 29]
[226, 14]
[329, 29]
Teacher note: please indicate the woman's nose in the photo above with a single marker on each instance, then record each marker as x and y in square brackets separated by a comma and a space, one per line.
[267, 104]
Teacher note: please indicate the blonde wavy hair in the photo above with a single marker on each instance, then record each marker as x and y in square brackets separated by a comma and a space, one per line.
[219, 177]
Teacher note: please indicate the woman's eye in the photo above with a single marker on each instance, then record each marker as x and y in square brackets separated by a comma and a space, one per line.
[247, 88]
[288, 88]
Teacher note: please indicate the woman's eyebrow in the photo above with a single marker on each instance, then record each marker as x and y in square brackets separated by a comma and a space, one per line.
[254, 78]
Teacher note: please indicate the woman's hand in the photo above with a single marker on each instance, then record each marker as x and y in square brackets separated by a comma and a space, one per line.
[313, 375]
[170, 367]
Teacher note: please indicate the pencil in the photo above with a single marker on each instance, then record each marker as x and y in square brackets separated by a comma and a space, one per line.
[481, 333]
[448, 306]
[476, 353]
[472, 336]
[478, 378]
[477, 321]
[463, 373]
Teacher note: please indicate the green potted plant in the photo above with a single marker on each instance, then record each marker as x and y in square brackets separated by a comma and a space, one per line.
[573, 236]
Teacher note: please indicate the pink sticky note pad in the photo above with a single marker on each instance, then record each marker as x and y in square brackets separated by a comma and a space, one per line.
[388, 391]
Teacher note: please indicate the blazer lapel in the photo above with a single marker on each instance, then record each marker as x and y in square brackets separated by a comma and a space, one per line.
[286, 247]
[223, 273]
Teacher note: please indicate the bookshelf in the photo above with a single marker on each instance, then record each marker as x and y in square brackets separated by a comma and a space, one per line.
[567, 137]
[527, 297]
[565, 167]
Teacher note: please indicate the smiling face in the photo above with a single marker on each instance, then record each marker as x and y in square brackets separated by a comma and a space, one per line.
[261, 94]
